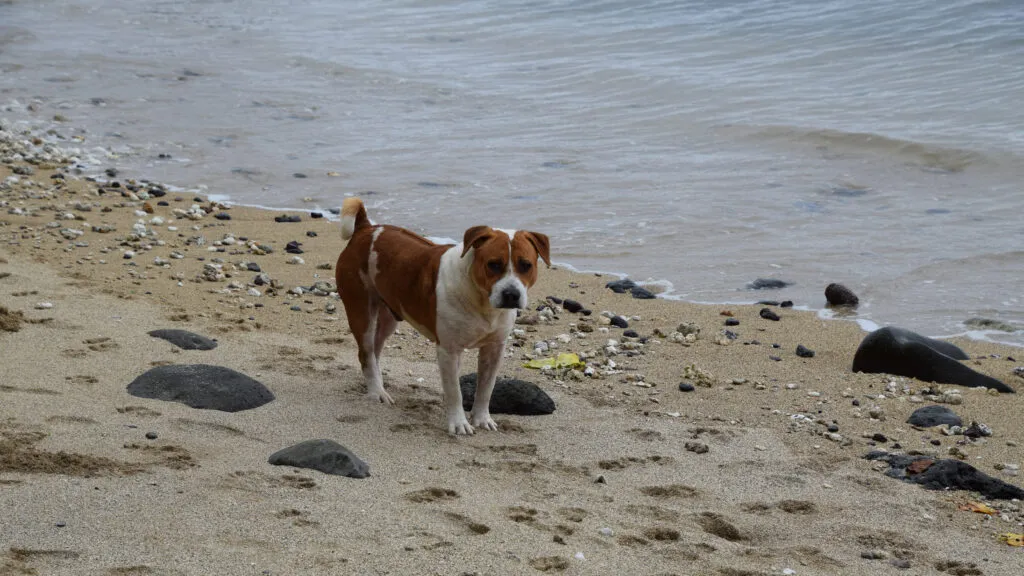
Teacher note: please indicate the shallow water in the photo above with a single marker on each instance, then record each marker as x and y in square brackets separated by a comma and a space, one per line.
[705, 143]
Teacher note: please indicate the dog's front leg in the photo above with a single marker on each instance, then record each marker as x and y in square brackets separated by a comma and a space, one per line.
[448, 361]
[486, 373]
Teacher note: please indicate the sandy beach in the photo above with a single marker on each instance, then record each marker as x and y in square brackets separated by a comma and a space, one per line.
[629, 475]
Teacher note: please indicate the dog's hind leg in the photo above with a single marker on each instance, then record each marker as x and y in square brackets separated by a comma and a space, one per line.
[363, 318]
[386, 324]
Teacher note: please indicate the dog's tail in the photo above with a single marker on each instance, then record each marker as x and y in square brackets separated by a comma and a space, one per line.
[353, 217]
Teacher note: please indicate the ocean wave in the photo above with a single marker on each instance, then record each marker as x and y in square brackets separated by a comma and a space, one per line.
[933, 156]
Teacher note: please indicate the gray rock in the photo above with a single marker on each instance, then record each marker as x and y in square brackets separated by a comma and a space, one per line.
[641, 293]
[510, 396]
[839, 295]
[327, 456]
[620, 286]
[184, 339]
[201, 386]
[767, 284]
[935, 415]
[989, 324]
[901, 352]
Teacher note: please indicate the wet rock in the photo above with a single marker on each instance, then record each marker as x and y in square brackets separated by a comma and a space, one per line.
[201, 386]
[316, 215]
[287, 218]
[947, 474]
[621, 286]
[804, 352]
[786, 304]
[989, 324]
[641, 293]
[184, 339]
[768, 314]
[934, 415]
[839, 295]
[768, 284]
[510, 396]
[571, 305]
[326, 456]
[902, 352]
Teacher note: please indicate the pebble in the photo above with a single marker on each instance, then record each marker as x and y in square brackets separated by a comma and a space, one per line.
[874, 554]
[571, 305]
[686, 387]
[619, 322]
[296, 260]
[287, 218]
[767, 314]
[151, 435]
[879, 437]
[222, 216]
[296, 308]
[804, 352]
[732, 322]
[606, 531]
[44, 305]
[833, 428]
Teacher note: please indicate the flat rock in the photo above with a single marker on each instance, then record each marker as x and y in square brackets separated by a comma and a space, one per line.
[510, 396]
[934, 415]
[621, 286]
[946, 474]
[201, 386]
[641, 293]
[327, 456]
[839, 295]
[184, 339]
[901, 352]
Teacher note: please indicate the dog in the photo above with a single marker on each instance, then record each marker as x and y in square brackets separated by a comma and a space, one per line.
[459, 296]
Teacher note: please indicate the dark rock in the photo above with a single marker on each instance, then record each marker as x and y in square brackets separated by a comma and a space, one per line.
[935, 415]
[767, 302]
[311, 234]
[619, 322]
[111, 172]
[554, 299]
[767, 284]
[586, 312]
[262, 279]
[839, 295]
[287, 218]
[299, 175]
[948, 474]
[697, 447]
[621, 286]
[293, 247]
[326, 456]
[630, 334]
[786, 304]
[296, 308]
[904, 353]
[936, 442]
[151, 435]
[163, 203]
[976, 430]
[833, 428]
[775, 358]
[641, 293]
[767, 314]
[732, 322]
[571, 305]
[855, 402]
[184, 339]
[222, 216]
[804, 352]
[253, 267]
[776, 346]
[730, 334]
[201, 386]
[510, 396]
[316, 215]
[686, 387]
[879, 437]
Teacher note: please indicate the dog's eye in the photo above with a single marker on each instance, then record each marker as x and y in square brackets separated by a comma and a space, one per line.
[495, 267]
[524, 266]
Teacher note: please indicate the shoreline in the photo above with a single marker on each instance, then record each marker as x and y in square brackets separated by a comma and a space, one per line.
[741, 476]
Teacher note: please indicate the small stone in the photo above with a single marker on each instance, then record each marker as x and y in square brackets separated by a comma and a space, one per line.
[879, 437]
[606, 532]
[839, 295]
[900, 563]
[222, 216]
[767, 284]
[641, 293]
[293, 247]
[287, 218]
[767, 314]
[620, 286]
[833, 428]
[296, 308]
[686, 387]
[151, 435]
[697, 447]
[874, 554]
[775, 358]
[619, 322]
[571, 305]
[804, 352]
[296, 260]
[732, 322]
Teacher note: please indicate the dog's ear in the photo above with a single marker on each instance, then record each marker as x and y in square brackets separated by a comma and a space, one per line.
[474, 237]
[541, 244]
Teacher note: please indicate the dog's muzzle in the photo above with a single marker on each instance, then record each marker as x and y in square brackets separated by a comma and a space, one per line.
[511, 297]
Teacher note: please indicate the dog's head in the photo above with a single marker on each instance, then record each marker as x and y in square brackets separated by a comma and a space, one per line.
[505, 262]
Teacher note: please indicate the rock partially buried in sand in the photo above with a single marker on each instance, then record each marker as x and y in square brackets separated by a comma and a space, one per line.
[641, 293]
[510, 396]
[767, 284]
[935, 415]
[948, 474]
[621, 286]
[201, 386]
[904, 353]
[327, 456]
[184, 339]
[839, 295]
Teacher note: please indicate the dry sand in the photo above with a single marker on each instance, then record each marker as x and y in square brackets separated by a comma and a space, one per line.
[605, 485]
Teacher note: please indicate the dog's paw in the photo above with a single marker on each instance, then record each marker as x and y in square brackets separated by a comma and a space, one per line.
[460, 427]
[483, 421]
[380, 396]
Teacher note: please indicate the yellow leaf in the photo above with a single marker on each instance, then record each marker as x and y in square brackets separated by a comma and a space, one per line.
[563, 360]
[977, 507]
[1012, 539]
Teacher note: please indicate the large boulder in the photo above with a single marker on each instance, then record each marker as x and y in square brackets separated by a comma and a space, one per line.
[510, 396]
[327, 456]
[905, 353]
[201, 386]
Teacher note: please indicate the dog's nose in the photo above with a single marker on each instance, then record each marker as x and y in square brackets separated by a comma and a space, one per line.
[510, 298]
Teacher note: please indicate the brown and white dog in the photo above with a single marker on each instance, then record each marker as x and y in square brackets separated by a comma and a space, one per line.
[459, 296]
